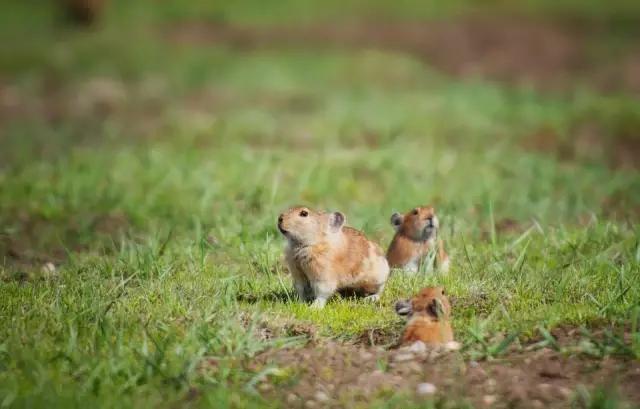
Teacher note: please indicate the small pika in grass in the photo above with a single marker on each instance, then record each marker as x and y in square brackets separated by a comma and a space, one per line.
[416, 236]
[325, 256]
[429, 317]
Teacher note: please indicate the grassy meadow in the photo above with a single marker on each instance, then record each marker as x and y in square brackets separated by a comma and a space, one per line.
[141, 177]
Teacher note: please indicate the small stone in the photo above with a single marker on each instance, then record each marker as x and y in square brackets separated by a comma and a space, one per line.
[310, 404]
[403, 357]
[564, 392]
[489, 399]
[545, 392]
[366, 356]
[536, 404]
[292, 398]
[413, 367]
[417, 347]
[552, 369]
[543, 352]
[49, 269]
[545, 388]
[453, 346]
[425, 388]
[321, 396]
[473, 364]
[377, 373]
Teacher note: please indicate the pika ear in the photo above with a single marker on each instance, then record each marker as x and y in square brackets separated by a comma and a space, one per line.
[436, 309]
[396, 221]
[337, 220]
[403, 307]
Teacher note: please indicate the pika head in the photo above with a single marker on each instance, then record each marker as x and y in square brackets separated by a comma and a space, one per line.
[430, 302]
[420, 224]
[302, 225]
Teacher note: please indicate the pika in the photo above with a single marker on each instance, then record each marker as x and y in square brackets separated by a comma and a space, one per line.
[429, 317]
[325, 256]
[416, 236]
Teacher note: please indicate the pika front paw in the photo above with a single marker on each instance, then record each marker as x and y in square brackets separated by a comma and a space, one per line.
[318, 303]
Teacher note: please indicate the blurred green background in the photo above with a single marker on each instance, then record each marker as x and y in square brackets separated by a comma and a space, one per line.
[146, 153]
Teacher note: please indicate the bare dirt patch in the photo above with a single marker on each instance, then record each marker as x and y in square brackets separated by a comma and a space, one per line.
[336, 375]
[545, 54]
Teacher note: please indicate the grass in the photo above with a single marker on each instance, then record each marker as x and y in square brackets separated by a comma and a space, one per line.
[155, 193]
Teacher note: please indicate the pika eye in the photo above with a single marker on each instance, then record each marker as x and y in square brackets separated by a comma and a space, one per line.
[304, 213]
[414, 211]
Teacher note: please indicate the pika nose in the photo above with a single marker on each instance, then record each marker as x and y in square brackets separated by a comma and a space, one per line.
[280, 218]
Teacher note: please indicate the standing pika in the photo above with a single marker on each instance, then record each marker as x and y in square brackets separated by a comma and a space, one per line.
[416, 236]
[429, 317]
[324, 256]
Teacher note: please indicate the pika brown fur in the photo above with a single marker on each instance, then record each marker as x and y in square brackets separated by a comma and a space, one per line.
[325, 256]
[416, 236]
[429, 315]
